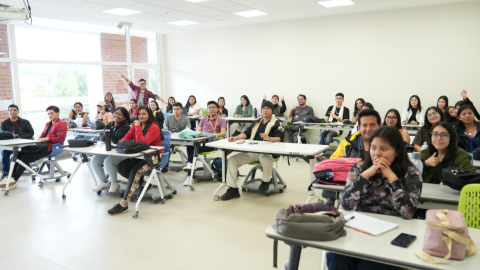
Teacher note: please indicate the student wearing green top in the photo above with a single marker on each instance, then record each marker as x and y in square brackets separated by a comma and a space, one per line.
[443, 152]
[278, 109]
[245, 109]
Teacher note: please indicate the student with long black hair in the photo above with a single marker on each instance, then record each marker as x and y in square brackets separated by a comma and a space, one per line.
[133, 107]
[77, 111]
[443, 152]
[385, 183]
[109, 101]
[452, 118]
[392, 119]
[278, 109]
[442, 103]
[145, 130]
[468, 129]
[157, 112]
[192, 109]
[413, 113]
[222, 111]
[357, 108]
[433, 115]
[171, 101]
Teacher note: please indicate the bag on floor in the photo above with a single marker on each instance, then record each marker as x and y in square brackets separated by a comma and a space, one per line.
[80, 143]
[446, 236]
[333, 171]
[131, 147]
[5, 135]
[217, 165]
[457, 178]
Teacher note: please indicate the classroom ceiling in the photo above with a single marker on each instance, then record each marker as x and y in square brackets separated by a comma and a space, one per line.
[155, 14]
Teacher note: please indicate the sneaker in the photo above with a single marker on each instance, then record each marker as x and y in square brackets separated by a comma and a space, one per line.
[231, 193]
[114, 187]
[101, 186]
[188, 167]
[164, 170]
[188, 182]
[3, 183]
[4, 174]
[264, 186]
[118, 209]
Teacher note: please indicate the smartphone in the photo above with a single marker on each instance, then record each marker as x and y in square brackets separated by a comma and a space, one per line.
[404, 240]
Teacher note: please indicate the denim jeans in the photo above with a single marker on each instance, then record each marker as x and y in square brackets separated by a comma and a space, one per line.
[110, 164]
[6, 160]
[327, 136]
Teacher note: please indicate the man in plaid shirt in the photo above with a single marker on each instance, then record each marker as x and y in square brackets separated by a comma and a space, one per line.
[141, 94]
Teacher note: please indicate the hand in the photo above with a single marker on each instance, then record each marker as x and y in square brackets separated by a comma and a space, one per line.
[231, 139]
[136, 122]
[413, 123]
[404, 122]
[386, 170]
[293, 107]
[433, 160]
[264, 97]
[333, 115]
[464, 94]
[44, 139]
[265, 136]
[375, 168]
[282, 99]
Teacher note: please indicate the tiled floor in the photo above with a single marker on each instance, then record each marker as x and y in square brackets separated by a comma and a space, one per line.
[191, 231]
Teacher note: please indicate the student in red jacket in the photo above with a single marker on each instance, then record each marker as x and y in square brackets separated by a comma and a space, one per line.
[55, 132]
[145, 130]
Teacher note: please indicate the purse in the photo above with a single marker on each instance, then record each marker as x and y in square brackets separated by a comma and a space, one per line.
[79, 143]
[446, 236]
[131, 147]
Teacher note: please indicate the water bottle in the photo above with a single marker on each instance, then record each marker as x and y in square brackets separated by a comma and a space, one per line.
[329, 175]
[417, 162]
[79, 122]
[255, 112]
[108, 141]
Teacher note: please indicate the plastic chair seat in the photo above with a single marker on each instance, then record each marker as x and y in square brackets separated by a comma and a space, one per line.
[469, 205]
[260, 164]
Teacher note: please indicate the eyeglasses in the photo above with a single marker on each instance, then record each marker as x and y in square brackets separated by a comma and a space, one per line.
[212, 107]
[119, 114]
[391, 118]
[431, 114]
[142, 83]
[442, 135]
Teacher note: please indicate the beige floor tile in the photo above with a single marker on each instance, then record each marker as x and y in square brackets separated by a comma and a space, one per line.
[27, 260]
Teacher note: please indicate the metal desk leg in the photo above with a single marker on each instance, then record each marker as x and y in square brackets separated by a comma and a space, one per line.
[224, 177]
[12, 164]
[84, 160]
[299, 135]
[196, 151]
[294, 260]
[153, 176]
[228, 131]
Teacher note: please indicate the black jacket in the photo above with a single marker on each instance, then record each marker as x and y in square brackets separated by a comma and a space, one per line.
[117, 133]
[25, 131]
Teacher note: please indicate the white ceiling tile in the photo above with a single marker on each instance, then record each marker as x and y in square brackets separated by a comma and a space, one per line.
[166, 12]
[95, 6]
[68, 3]
[117, 3]
[190, 8]
[211, 13]
[217, 3]
[227, 17]
[233, 9]
[164, 3]
[143, 7]
[195, 18]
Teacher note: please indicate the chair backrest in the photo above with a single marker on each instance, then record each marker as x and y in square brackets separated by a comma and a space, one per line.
[469, 205]
[167, 134]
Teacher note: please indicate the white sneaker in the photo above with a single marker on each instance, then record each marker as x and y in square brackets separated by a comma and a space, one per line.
[101, 186]
[3, 183]
[188, 182]
[188, 167]
[114, 187]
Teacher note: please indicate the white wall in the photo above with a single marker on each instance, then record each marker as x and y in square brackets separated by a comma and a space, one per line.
[383, 57]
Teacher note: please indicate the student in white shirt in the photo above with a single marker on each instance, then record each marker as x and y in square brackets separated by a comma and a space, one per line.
[413, 113]
[192, 108]
[335, 113]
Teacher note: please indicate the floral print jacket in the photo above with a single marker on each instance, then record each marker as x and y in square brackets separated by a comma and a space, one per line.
[376, 195]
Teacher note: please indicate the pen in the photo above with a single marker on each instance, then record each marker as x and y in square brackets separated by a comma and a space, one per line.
[352, 217]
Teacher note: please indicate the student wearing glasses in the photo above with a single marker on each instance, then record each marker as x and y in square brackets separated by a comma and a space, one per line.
[141, 94]
[119, 127]
[392, 119]
[413, 113]
[432, 116]
[443, 152]
[467, 101]
[213, 124]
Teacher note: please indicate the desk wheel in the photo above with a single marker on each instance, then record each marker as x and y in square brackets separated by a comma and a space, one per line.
[40, 184]
[266, 194]
[64, 197]
[6, 193]
[57, 180]
[99, 192]
[281, 191]
[214, 180]
[174, 192]
[216, 198]
[162, 201]
[192, 188]
[135, 215]
[244, 190]
[33, 178]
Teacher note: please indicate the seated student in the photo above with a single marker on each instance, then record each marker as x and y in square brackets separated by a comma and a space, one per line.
[176, 122]
[339, 114]
[145, 130]
[452, 116]
[109, 101]
[103, 113]
[76, 112]
[213, 124]
[222, 111]
[466, 101]
[171, 101]
[443, 152]
[433, 115]
[468, 130]
[55, 132]
[119, 127]
[357, 145]
[267, 128]
[392, 119]
[413, 113]
[157, 112]
[296, 112]
[365, 106]
[442, 104]
[133, 107]
[192, 109]
[277, 109]
[245, 109]
[21, 128]
[385, 183]
[358, 107]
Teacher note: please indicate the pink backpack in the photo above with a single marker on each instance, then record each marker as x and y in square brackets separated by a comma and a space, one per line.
[339, 167]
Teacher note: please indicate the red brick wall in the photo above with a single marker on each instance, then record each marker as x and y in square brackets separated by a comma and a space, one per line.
[5, 75]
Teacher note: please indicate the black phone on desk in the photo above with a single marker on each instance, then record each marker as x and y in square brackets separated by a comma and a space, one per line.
[403, 240]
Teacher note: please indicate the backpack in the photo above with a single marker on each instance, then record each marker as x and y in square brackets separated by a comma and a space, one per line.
[6, 135]
[217, 165]
[131, 147]
[80, 143]
[70, 124]
[312, 119]
[457, 178]
[333, 171]
[98, 125]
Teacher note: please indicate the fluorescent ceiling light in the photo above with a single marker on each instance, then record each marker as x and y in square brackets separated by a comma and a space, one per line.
[251, 13]
[122, 11]
[182, 23]
[336, 3]
[196, 1]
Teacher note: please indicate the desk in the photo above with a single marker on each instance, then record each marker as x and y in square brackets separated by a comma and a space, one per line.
[194, 117]
[411, 129]
[379, 248]
[330, 126]
[86, 132]
[231, 120]
[101, 150]
[308, 151]
[476, 163]
[16, 145]
[195, 142]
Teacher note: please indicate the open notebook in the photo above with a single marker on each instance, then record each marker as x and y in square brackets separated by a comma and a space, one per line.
[368, 224]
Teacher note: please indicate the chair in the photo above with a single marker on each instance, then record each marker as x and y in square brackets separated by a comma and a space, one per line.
[208, 173]
[252, 184]
[469, 205]
[54, 170]
[175, 164]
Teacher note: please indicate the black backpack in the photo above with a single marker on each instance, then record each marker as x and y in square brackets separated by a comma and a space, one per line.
[312, 119]
[131, 147]
[6, 135]
[98, 125]
[457, 178]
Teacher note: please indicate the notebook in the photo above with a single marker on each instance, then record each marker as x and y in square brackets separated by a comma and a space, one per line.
[368, 224]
